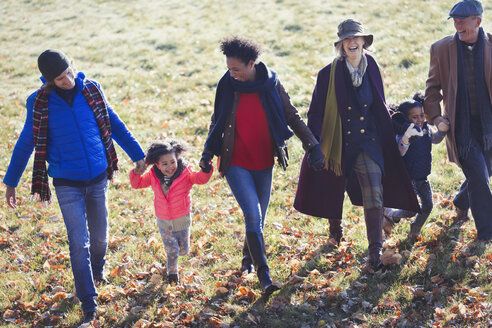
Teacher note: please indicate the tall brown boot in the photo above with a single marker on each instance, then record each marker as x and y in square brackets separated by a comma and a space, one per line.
[336, 231]
[374, 223]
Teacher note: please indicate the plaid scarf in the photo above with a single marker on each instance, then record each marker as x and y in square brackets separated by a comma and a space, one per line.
[94, 98]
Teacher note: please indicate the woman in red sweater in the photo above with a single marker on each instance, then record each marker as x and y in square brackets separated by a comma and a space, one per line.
[249, 127]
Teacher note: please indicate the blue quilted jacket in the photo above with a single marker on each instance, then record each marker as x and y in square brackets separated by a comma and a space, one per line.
[75, 148]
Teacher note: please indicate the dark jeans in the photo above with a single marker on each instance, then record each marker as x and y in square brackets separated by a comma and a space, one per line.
[423, 190]
[475, 192]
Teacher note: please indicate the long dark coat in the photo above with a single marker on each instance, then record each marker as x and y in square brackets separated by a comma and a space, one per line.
[321, 193]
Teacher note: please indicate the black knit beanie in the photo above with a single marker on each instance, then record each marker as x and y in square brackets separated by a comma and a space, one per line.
[52, 63]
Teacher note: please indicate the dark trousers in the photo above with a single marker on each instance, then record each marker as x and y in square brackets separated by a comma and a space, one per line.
[475, 191]
[423, 190]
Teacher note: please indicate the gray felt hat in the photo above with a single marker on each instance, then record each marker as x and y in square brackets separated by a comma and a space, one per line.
[350, 27]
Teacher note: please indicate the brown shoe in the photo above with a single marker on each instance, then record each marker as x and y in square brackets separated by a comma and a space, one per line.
[461, 215]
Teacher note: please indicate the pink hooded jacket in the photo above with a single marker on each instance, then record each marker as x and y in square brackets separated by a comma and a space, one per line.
[177, 202]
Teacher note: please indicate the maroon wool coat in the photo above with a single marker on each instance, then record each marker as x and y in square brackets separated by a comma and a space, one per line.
[321, 193]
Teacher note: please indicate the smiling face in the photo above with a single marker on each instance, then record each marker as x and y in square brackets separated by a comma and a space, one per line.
[467, 28]
[167, 164]
[353, 47]
[241, 71]
[416, 116]
[65, 80]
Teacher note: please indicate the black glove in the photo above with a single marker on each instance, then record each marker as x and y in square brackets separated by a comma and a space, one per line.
[315, 158]
[206, 162]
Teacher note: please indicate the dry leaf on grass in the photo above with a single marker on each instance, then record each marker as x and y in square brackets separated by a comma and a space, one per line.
[221, 290]
[390, 257]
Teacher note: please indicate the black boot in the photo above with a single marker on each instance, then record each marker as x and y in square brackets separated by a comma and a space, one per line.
[246, 262]
[256, 249]
[374, 227]
[336, 231]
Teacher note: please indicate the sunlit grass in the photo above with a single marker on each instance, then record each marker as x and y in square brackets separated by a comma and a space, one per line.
[159, 64]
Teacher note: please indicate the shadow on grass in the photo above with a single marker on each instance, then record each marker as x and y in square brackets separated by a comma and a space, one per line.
[307, 304]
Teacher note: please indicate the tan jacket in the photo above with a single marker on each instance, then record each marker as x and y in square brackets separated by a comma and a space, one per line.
[442, 84]
[293, 120]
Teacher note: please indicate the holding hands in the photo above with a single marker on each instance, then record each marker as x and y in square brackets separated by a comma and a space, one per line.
[442, 124]
[140, 167]
[206, 162]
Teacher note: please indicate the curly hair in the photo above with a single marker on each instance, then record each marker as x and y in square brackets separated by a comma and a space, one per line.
[167, 146]
[417, 101]
[240, 47]
[400, 116]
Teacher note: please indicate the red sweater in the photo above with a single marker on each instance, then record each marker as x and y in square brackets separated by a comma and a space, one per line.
[252, 141]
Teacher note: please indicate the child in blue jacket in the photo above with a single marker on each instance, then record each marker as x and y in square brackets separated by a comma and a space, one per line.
[415, 139]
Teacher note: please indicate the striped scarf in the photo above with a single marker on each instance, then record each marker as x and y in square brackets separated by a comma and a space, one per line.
[94, 98]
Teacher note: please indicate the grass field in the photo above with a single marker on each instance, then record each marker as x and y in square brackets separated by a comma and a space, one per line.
[159, 63]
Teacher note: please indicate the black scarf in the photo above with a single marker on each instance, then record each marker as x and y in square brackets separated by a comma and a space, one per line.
[266, 87]
[164, 179]
[463, 117]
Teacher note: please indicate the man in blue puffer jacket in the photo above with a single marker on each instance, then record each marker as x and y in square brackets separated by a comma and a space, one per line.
[71, 126]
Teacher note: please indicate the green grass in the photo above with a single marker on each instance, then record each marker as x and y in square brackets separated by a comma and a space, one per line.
[159, 64]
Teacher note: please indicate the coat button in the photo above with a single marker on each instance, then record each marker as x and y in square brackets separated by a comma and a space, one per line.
[230, 125]
[348, 119]
[348, 132]
[365, 105]
[349, 108]
[362, 131]
[227, 149]
[362, 118]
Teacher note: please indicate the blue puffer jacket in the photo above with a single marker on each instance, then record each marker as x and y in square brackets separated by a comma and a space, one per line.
[75, 148]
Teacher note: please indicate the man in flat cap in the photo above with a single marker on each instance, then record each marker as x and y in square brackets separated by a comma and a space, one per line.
[460, 75]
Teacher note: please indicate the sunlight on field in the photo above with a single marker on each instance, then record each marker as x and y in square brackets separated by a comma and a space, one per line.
[159, 64]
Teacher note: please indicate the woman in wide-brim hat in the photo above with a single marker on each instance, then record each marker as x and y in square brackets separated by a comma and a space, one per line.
[348, 113]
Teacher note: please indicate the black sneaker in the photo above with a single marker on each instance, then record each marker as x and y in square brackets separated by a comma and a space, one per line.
[89, 316]
[173, 277]
[271, 289]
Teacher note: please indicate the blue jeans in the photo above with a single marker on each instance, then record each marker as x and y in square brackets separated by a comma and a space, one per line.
[85, 213]
[423, 189]
[475, 192]
[252, 192]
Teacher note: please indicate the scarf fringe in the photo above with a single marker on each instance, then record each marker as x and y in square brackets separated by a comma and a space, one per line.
[331, 165]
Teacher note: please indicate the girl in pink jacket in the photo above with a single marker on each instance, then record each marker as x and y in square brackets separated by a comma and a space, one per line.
[171, 180]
